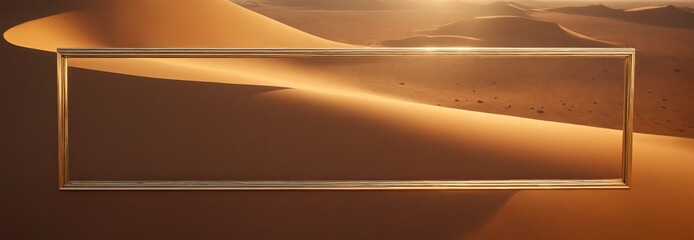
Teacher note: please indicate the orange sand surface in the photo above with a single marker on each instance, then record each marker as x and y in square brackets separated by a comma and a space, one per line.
[536, 143]
[659, 201]
[664, 54]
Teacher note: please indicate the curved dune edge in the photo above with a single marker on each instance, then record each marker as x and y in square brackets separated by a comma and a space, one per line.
[644, 8]
[659, 205]
[587, 38]
[660, 199]
[142, 24]
[498, 138]
[479, 131]
[500, 30]
[667, 16]
[340, 99]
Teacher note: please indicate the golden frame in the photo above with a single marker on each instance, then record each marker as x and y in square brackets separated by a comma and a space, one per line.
[64, 182]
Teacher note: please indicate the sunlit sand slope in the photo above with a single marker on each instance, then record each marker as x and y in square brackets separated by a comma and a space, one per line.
[130, 23]
[537, 144]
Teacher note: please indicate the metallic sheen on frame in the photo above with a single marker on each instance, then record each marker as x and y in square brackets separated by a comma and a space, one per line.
[64, 182]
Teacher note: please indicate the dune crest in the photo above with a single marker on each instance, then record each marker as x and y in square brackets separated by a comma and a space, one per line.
[159, 24]
[434, 41]
[591, 10]
[507, 8]
[666, 16]
[335, 131]
[331, 5]
[129, 23]
[491, 9]
[501, 31]
[643, 8]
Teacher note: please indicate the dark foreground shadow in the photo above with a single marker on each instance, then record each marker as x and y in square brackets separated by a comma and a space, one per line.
[33, 208]
[125, 127]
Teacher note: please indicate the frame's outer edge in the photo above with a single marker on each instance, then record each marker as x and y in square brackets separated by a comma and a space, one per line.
[62, 93]
[630, 71]
[348, 185]
[335, 52]
[64, 182]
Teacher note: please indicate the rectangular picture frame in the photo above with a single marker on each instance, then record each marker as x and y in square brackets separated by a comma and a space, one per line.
[65, 183]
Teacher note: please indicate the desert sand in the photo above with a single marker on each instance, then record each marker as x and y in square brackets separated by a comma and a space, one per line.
[667, 16]
[459, 132]
[301, 102]
[503, 31]
[664, 53]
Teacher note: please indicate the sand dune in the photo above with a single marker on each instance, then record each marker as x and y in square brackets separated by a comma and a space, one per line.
[507, 8]
[660, 201]
[331, 5]
[465, 8]
[501, 31]
[132, 23]
[590, 10]
[161, 24]
[659, 206]
[491, 9]
[667, 16]
[249, 3]
[521, 6]
[318, 95]
[371, 27]
[434, 41]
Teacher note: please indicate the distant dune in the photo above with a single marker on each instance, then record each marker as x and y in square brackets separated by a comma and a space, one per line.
[495, 8]
[502, 31]
[330, 5]
[507, 8]
[465, 8]
[468, 8]
[434, 41]
[667, 16]
[591, 10]
[249, 3]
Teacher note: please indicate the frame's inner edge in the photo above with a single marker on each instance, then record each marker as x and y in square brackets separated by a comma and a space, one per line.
[66, 184]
